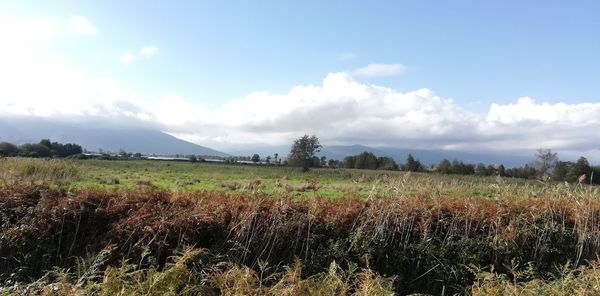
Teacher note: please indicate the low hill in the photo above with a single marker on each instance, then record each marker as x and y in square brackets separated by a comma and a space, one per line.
[140, 140]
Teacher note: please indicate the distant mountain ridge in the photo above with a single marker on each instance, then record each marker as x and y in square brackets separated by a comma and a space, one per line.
[426, 156]
[134, 140]
[339, 152]
[148, 141]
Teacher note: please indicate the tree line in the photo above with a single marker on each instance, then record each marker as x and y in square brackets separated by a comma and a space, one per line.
[44, 148]
[546, 165]
[367, 160]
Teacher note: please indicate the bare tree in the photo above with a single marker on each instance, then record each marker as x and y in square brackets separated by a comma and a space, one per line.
[545, 160]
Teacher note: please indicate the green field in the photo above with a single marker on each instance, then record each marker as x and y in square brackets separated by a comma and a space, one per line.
[330, 183]
[135, 227]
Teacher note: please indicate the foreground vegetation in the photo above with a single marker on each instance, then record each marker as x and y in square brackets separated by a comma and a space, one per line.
[352, 232]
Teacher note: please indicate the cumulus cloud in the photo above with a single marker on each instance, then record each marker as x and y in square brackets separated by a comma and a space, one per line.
[529, 125]
[380, 70]
[341, 110]
[526, 109]
[81, 25]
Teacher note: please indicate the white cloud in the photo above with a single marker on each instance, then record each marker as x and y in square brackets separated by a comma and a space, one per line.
[22, 32]
[341, 110]
[38, 87]
[344, 111]
[145, 52]
[81, 25]
[527, 110]
[379, 70]
[127, 57]
[149, 51]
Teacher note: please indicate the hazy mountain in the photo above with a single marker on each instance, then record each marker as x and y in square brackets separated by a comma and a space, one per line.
[262, 150]
[339, 152]
[156, 142]
[427, 156]
[109, 139]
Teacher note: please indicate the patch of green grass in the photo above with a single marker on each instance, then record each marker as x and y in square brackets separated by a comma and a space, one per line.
[329, 183]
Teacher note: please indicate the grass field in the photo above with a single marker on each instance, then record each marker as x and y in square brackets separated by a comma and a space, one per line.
[79, 227]
[324, 182]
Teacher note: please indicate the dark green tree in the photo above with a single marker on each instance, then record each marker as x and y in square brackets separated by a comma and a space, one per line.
[412, 165]
[444, 167]
[8, 149]
[35, 150]
[333, 163]
[561, 170]
[366, 160]
[46, 143]
[386, 163]
[303, 150]
[579, 168]
[316, 162]
[349, 162]
[480, 169]
[501, 170]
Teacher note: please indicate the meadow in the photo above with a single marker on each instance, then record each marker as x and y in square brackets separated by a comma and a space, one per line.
[278, 181]
[80, 227]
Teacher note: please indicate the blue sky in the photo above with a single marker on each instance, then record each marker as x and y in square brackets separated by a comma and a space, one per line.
[471, 51]
[479, 57]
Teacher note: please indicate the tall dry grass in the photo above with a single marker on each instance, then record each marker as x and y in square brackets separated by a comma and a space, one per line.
[426, 242]
[32, 171]
[584, 280]
[184, 275]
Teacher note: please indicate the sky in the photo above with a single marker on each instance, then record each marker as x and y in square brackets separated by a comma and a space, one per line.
[464, 75]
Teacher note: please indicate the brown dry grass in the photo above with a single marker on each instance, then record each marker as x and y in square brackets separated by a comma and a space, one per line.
[42, 228]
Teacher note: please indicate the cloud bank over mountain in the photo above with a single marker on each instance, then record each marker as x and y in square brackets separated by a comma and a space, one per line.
[341, 110]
